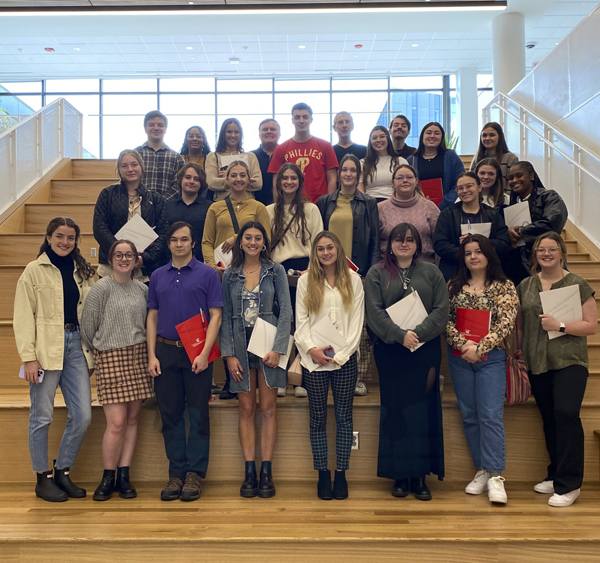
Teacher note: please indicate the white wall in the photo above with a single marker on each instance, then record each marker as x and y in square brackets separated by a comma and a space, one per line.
[564, 89]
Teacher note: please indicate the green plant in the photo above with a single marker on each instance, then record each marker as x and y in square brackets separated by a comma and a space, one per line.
[452, 141]
[5, 121]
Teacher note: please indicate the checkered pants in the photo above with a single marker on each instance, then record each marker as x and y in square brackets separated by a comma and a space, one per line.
[365, 351]
[343, 384]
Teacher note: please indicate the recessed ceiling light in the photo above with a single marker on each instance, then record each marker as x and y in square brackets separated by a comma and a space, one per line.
[358, 46]
[415, 45]
[234, 61]
[49, 49]
[189, 48]
[301, 46]
[76, 49]
[557, 42]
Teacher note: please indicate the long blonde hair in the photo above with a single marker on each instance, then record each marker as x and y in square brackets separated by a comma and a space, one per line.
[313, 300]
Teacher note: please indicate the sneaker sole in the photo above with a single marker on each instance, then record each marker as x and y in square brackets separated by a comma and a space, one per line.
[475, 493]
[498, 501]
[189, 498]
[167, 497]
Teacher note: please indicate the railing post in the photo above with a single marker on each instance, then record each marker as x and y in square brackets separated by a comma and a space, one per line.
[80, 136]
[39, 145]
[61, 129]
[547, 154]
[13, 165]
[577, 175]
[522, 133]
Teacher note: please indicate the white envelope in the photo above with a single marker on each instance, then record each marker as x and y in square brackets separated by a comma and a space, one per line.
[408, 313]
[476, 229]
[323, 333]
[262, 340]
[138, 232]
[564, 304]
[226, 159]
[223, 257]
[517, 215]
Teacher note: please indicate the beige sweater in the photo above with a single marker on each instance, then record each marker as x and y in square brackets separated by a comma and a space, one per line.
[219, 185]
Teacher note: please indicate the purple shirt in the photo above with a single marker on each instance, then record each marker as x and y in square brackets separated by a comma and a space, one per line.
[179, 294]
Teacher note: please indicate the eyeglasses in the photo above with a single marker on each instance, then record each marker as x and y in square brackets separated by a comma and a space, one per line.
[548, 250]
[129, 256]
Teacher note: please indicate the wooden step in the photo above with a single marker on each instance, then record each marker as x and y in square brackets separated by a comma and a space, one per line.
[578, 257]
[91, 168]
[585, 269]
[38, 215]
[295, 527]
[77, 190]
[20, 249]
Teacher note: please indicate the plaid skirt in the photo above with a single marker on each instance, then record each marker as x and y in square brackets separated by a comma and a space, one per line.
[122, 374]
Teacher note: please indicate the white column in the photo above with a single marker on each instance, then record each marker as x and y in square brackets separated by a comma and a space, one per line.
[466, 110]
[508, 51]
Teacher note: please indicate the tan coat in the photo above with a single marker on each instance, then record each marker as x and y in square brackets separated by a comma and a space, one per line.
[38, 320]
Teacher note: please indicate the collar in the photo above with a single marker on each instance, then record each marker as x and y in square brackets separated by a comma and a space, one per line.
[165, 147]
[190, 265]
[358, 195]
[263, 151]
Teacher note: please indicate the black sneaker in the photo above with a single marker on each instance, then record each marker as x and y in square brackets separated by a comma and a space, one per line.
[192, 487]
[172, 490]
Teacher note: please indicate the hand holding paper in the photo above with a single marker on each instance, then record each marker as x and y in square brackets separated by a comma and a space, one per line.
[564, 304]
[476, 229]
[408, 313]
[263, 339]
[517, 215]
[222, 258]
[323, 333]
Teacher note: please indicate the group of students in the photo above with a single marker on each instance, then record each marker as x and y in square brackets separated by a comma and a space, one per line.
[339, 263]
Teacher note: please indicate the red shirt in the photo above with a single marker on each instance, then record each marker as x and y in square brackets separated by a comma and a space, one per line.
[314, 158]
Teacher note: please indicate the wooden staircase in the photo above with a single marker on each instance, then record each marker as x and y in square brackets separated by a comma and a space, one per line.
[368, 527]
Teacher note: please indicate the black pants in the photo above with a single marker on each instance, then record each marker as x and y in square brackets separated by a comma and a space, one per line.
[177, 386]
[559, 394]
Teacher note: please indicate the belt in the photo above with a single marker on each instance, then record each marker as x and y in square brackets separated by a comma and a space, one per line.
[177, 343]
[70, 327]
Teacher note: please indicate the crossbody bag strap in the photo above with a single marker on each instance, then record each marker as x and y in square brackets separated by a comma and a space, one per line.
[234, 221]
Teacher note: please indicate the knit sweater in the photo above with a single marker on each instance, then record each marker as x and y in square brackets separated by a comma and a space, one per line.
[422, 213]
[114, 315]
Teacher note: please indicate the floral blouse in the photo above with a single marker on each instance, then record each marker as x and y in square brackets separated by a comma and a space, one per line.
[503, 302]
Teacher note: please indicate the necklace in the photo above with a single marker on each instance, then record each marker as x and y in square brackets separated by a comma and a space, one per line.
[429, 157]
[404, 276]
[248, 272]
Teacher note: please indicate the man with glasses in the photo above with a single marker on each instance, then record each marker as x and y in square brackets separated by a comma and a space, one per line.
[399, 130]
[180, 290]
[269, 133]
[315, 157]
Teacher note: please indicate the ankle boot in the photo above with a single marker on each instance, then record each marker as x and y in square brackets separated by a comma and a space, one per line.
[419, 488]
[62, 479]
[266, 487]
[324, 490]
[400, 488]
[106, 487]
[249, 487]
[47, 489]
[123, 485]
[340, 486]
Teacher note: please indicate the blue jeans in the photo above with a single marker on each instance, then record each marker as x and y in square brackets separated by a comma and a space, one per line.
[480, 390]
[74, 381]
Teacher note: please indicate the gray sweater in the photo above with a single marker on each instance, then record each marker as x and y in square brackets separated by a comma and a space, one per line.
[381, 291]
[114, 315]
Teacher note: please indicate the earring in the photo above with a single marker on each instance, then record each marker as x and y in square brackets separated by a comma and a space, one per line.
[264, 248]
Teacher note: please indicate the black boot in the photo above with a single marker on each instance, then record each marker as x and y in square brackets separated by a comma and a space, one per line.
[106, 487]
[47, 489]
[419, 488]
[401, 488]
[125, 488]
[249, 487]
[62, 479]
[266, 487]
[340, 486]
[324, 490]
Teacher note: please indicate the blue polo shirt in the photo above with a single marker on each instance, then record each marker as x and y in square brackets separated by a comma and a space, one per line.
[179, 293]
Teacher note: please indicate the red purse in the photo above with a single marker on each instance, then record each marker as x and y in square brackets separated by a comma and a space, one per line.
[193, 336]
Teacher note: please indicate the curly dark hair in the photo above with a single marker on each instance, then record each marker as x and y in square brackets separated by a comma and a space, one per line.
[205, 146]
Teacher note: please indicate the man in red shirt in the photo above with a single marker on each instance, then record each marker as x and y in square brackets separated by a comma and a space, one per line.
[315, 157]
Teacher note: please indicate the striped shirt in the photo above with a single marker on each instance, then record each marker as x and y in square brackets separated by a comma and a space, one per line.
[161, 167]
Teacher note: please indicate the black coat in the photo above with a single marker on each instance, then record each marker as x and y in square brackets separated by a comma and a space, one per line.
[365, 237]
[447, 234]
[111, 212]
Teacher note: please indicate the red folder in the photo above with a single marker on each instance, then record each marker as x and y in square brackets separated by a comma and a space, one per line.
[351, 265]
[433, 190]
[473, 324]
[193, 335]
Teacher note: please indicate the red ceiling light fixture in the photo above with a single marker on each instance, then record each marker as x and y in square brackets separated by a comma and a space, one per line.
[49, 49]
[358, 46]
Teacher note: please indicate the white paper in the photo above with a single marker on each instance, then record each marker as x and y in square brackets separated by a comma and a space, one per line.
[476, 229]
[226, 159]
[40, 373]
[564, 304]
[517, 215]
[262, 340]
[224, 258]
[138, 232]
[323, 333]
[408, 313]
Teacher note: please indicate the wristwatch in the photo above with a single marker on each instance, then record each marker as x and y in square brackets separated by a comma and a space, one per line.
[562, 327]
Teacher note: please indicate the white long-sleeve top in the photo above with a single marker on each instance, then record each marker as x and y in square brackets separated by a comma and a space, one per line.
[349, 323]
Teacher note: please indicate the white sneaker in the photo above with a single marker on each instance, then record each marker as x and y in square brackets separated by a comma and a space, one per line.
[281, 391]
[300, 392]
[496, 492]
[479, 483]
[361, 389]
[545, 487]
[564, 500]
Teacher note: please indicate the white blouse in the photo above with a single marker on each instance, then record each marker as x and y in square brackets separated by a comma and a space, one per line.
[349, 323]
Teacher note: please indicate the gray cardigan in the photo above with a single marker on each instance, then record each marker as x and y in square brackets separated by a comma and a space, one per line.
[383, 290]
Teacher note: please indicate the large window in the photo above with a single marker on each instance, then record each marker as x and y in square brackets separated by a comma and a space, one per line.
[114, 109]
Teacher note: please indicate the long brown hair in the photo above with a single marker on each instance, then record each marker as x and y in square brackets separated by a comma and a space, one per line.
[239, 255]
[313, 300]
[83, 267]
[535, 267]
[501, 147]
[497, 190]
[298, 217]
[372, 159]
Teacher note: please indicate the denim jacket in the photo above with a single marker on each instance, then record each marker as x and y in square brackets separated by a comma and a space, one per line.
[273, 287]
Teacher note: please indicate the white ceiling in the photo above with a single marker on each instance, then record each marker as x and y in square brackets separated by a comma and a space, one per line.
[197, 45]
